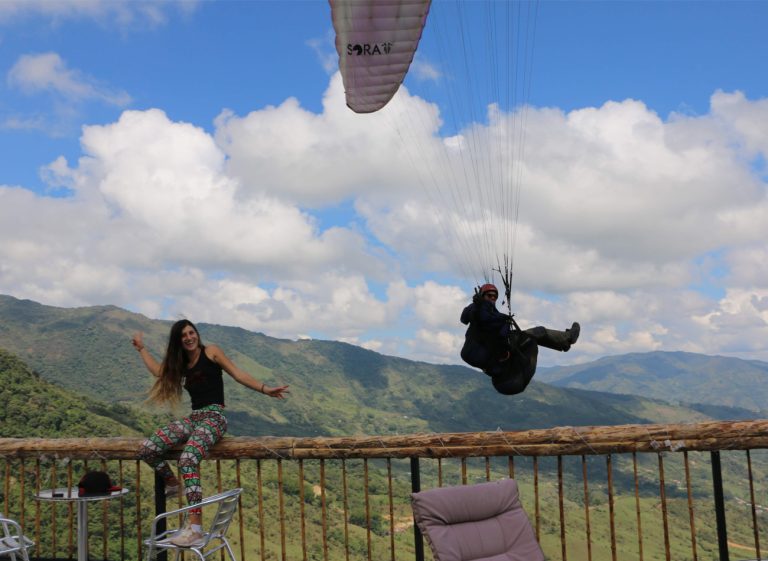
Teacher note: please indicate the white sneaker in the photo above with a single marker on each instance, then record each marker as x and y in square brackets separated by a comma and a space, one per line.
[187, 538]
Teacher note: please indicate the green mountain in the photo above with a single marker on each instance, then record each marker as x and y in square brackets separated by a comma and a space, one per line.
[337, 388]
[33, 407]
[687, 378]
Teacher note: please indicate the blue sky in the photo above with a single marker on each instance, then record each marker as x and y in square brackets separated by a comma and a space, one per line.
[151, 157]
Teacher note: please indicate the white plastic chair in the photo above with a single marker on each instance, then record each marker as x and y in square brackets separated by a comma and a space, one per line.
[12, 541]
[215, 531]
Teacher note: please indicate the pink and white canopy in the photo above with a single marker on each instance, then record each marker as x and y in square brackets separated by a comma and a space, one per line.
[376, 41]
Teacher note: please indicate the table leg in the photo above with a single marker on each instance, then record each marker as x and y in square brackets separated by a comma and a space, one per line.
[82, 531]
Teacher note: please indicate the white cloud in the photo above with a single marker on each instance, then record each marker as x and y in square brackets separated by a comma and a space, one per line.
[621, 214]
[436, 305]
[747, 119]
[610, 197]
[49, 72]
[317, 160]
[325, 50]
[123, 13]
[435, 346]
[424, 70]
[748, 265]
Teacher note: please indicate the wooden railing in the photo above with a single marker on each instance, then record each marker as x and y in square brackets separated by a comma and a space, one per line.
[644, 492]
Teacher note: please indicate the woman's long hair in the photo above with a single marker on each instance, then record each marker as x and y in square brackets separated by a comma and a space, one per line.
[167, 387]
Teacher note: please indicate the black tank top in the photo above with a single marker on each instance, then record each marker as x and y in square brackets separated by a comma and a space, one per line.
[204, 382]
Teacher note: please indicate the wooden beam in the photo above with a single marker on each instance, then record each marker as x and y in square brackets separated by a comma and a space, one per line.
[714, 435]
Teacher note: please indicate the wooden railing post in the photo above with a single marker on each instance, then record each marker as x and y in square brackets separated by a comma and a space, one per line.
[717, 483]
[418, 539]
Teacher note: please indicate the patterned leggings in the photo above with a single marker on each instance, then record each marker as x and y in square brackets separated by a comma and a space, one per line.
[201, 430]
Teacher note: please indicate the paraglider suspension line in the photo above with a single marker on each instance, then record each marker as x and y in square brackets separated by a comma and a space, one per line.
[505, 273]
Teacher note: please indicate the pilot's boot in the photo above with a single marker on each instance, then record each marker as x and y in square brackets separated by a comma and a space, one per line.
[573, 332]
[554, 339]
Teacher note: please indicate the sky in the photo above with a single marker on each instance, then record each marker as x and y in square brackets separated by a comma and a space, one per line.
[197, 159]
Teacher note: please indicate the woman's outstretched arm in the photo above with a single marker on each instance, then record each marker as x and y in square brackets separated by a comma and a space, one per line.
[241, 376]
[149, 361]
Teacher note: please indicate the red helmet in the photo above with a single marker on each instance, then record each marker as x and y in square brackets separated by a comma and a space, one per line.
[488, 288]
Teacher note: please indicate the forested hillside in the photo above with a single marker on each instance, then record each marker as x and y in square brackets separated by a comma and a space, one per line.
[33, 407]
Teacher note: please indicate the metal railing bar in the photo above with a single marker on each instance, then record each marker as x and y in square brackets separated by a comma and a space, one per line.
[303, 527]
[323, 510]
[755, 527]
[7, 488]
[637, 507]
[367, 508]
[53, 480]
[717, 484]
[260, 496]
[70, 516]
[561, 507]
[122, 510]
[418, 539]
[22, 495]
[240, 520]
[587, 527]
[345, 500]
[663, 497]
[537, 508]
[691, 512]
[70, 509]
[37, 506]
[281, 504]
[611, 505]
[160, 507]
[220, 488]
[138, 509]
[104, 514]
[390, 497]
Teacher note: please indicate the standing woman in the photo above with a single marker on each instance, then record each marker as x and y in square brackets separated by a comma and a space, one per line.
[197, 368]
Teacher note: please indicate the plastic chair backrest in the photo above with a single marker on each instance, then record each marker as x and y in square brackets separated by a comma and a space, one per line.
[477, 522]
[226, 507]
[12, 540]
[225, 512]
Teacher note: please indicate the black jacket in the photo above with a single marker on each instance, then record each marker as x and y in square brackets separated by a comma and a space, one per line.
[487, 335]
[486, 323]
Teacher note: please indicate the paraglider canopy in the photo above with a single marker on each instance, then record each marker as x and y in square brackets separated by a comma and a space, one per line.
[376, 41]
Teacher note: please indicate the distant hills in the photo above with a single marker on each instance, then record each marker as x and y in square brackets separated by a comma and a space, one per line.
[673, 376]
[337, 388]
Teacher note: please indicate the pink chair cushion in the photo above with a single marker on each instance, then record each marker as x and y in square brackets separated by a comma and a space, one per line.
[483, 522]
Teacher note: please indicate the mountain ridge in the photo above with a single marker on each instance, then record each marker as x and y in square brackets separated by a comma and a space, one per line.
[675, 376]
[337, 388]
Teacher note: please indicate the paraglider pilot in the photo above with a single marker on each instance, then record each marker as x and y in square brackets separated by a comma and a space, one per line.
[495, 344]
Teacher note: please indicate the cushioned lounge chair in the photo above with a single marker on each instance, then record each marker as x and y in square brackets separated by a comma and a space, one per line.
[483, 522]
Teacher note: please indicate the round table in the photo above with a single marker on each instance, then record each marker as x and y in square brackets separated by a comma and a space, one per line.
[70, 494]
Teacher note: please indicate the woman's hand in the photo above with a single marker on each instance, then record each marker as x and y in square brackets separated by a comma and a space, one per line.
[279, 392]
[138, 341]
